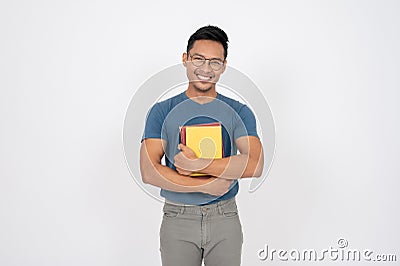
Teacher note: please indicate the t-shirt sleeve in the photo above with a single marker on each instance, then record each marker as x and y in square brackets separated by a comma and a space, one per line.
[246, 123]
[153, 125]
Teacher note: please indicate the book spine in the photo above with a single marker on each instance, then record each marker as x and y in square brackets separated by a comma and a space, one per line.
[183, 135]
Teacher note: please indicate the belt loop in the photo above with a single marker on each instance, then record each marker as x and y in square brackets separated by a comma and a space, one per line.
[182, 209]
[219, 207]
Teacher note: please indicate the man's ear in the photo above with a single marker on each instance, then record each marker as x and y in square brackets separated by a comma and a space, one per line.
[184, 59]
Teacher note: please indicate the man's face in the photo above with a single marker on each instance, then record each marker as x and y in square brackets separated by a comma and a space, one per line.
[204, 74]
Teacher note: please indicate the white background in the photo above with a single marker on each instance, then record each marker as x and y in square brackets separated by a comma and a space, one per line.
[329, 70]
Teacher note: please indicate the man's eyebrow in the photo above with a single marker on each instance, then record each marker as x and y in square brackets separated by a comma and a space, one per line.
[214, 58]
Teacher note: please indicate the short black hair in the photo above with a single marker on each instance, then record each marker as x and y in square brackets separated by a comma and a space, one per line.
[212, 33]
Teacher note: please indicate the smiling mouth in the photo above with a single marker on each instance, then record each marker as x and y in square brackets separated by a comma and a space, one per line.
[204, 78]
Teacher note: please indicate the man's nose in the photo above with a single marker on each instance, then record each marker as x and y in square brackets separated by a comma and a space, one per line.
[207, 66]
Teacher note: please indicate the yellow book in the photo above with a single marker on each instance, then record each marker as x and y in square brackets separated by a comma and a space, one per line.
[205, 140]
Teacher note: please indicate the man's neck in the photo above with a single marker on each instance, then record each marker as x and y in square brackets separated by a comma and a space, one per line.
[199, 96]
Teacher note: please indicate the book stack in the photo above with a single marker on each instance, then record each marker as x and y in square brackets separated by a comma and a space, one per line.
[204, 139]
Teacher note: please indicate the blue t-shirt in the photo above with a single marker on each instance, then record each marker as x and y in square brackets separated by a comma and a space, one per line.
[163, 122]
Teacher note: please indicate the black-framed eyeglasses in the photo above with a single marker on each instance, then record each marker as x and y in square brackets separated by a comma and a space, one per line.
[199, 60]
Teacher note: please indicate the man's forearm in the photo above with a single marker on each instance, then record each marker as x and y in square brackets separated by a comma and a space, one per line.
[233, 167]
[164, 177]
[249, 163]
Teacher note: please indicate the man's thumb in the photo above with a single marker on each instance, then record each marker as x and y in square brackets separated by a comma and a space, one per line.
[181, 147]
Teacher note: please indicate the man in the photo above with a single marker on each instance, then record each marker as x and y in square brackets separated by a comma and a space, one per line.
[200, 219]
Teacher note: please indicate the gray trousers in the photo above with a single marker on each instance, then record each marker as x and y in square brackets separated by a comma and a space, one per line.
[189, 234]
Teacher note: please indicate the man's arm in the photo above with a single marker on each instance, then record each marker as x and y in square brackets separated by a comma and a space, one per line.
[154, 173]
[249, 163]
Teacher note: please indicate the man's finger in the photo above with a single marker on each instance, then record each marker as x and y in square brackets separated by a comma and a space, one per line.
[182, 147]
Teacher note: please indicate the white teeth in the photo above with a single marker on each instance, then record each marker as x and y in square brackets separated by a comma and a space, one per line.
[203, 77]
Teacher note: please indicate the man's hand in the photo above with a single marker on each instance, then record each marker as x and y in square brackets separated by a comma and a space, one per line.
[188, 152]
[218, 186]
[183, 172]
[186, 162]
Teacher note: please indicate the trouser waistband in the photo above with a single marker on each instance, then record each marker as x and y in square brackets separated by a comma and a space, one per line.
[217, 207]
